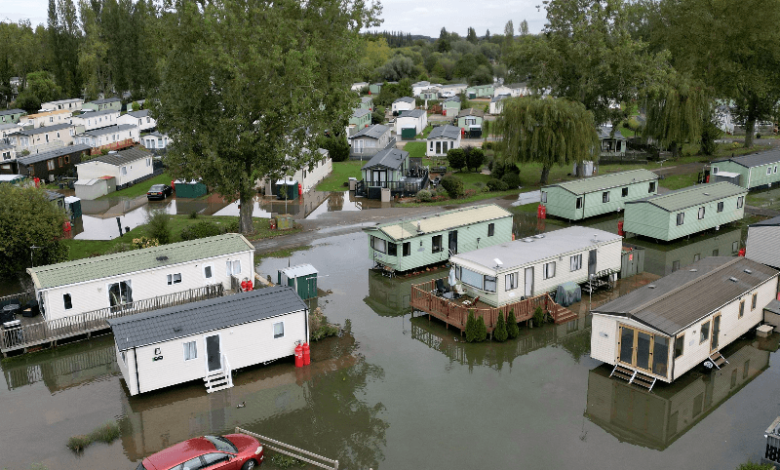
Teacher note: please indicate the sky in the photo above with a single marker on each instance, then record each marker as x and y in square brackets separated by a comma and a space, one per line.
[410, 16]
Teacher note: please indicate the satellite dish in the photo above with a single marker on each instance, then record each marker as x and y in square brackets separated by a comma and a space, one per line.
[498, 262]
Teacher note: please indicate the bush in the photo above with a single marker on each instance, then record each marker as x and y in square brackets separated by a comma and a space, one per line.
[453, 185]
[498, 170]
[107, 433]
[200, 230]
[337, 147]
[159, 223]
[512, 330]
[456, 158]
[423, 195]
[487, 146]
[497, 185]
[285, 461]
[512, 180]
[194, 215]
[471, 327]
[481, 329]
[475, 157]
[499, 333]
[539, 316]
[78, 443]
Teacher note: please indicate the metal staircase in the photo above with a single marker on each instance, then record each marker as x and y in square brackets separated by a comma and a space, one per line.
[634, 377]
[219, 379]
[718, 360]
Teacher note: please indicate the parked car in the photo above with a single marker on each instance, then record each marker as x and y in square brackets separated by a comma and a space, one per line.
[231, 452]
[159, 191]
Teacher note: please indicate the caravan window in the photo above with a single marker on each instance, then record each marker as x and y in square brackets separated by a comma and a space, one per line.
[490, 283]
[605, 196]
[579, 202]
[120, 293]
[392, 249]
[651, 188]
[379, 245]
[701, 213]
[174, 279]
[436, 242]
[754, 302]
[491, 230]
[471, 278]
[575, 262]
[278, 330]
[510, 281]
[232, 267]
[544, 197]
[190, 351]
[720, 207]
[679, 346]
[207, 273]
[549, 270]
[67, 301]
[680, 218]
[741, 309]
[624, 192]
[407, 249]
[704, 334]
[740, 201]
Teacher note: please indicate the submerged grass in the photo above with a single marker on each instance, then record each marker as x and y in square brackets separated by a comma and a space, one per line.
[107, 433]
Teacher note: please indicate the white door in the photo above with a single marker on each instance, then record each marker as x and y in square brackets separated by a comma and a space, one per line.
[529, 282]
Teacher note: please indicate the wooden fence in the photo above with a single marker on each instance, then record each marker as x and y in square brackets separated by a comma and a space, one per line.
[19, 298]
[50, 331]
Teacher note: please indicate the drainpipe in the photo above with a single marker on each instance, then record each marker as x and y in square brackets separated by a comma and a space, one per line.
[137, 380]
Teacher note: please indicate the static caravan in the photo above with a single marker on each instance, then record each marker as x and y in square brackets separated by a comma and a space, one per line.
[375, 88]
[405, 103]
[763, 242]
[611, 144]
[757, 170]
[664, 329]
[70, 104]
[111, 137]
[103, 104]
[451, 106]
[418, 87]
[589, 197]
[208, 339]
[155, 141]
[368, 141]
[127, 166]
[42, 139]
[96, 119]
[48, 118]
[507, 273]
[366, 102]
[686, 211]
[79, 286]
[360, 118]
[470, 120]
[513, 89]
[59, 162]
[480, 91]
[496, 103]
[407, 122]
[412, 244]
[359, 86]
[442, 139]
[140, 118]
[11, 116]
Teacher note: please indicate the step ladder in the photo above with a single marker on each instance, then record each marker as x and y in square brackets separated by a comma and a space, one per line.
[219, 379]
[718, 360]
[634, 377]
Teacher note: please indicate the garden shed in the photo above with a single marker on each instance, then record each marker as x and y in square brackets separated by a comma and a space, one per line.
[190, 189]
[412, 244]
[589, 197]
[763, 242]
[686, 211]
[302, 278]
[93, 188]
[757, 170]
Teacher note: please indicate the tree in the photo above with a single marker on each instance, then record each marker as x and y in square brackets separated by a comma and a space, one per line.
[500, 333]
[443, 43]
[481, 76]
[396, 68]
[337, 147]
[159, 223]
[512, 330]
[481, 330]
[548, 131]
[263, 81]
[27, 219]
[42, 86]
[676, 111]
[376, 54]
[475, 157]
[471, 327]
[456, 158]
[471, 36]
[523, 28]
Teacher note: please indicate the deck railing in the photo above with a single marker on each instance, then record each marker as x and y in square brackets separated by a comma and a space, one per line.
[424, 299]
[75, 325]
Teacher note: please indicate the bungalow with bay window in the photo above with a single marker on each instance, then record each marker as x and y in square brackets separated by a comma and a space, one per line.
[412, 244]
[442, 139]
[509, 272]
[666, 328]
[88, 284]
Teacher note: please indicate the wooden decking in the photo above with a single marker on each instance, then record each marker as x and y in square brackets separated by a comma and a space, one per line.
[453, 312]
[37, 332]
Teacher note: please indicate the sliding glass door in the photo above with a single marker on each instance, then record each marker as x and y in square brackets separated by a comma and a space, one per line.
[643, 350]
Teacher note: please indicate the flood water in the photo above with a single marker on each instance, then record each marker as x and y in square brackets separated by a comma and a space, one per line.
[397, 392]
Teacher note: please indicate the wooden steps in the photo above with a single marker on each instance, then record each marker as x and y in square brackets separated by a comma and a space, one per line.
[718, 360]
[565, 315]
[634, 377]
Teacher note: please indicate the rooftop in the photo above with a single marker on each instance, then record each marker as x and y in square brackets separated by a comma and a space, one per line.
[471, 112]
[110, 129]
[610, 180]
[692, 196]
[444, 132]
[442, 221]
[53, 195]
[501, 97]
[88, 113]
[684, 297]
[206, 315]
[139, 114]
[606, 133]
[755, 159]
[413, 113]
[374, 132]
[404, 99]
[105, 100]
[299, 270]
[537, 248]
[44, 129]
[116, 264]
[43, 156]
[6, 112]
[360, 112]
[773, 222]
[391, 158]
[47, 113]
[122, 157]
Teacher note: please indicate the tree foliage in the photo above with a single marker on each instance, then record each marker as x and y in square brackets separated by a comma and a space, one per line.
[512, 330]
[471, 327]
[475, 157]
[500, 333]
[456, 158]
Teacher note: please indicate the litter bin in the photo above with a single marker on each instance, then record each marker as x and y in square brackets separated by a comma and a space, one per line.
[352, 183]
[385, 196]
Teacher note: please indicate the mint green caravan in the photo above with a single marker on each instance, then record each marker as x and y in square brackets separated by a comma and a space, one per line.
[754, 171]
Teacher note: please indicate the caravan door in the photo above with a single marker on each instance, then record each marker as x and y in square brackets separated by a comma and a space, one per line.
[529, 282]
[213, 353]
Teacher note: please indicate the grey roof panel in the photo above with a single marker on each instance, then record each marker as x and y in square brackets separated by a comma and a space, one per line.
[110, 129]
[89, 113]
[445, 132]
[415, 113]
[682, 298]
[755, 159]
[139, 114]
[374, 132]
[471, 112]
[404, 99]
[360, 112]
[773, 222]
[40, 157]
[389, 158]
[606, 181]
[124, 156]
[53, 195]
[605, 133]
[692, 196]
[41, 130]
[6, 112]
[201, 317]
[773, 306]
[105, 100]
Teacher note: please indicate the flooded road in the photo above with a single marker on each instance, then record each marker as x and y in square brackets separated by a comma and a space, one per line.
[397, 392]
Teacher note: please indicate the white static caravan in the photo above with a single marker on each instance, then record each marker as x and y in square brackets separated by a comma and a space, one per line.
[96, 119]
[208, 339]
[532, 266]
[763, 242]
[664, 329]
[141, 119]
[415, 118]
[127, 166]
[84, 285]
[405, 103]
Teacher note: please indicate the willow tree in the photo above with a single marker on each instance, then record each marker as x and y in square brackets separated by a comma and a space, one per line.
[549, 131]
[677, 110]
[248, 86]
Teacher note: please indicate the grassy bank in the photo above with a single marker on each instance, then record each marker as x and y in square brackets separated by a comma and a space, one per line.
[78, 249]
[342, 171]
[107, 433]
[140, 188]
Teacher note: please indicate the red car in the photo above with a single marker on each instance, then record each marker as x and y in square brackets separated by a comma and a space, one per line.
[231, 452]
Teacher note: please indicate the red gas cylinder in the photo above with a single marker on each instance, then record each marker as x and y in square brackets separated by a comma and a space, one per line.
[306, 354]
[244, 287]
[37, 182]
[300, 189]
[173, 184]
[707, 179]
[541, 212]
[741, 252]
[66, 226]
[249, 285]
[299, 356]
[620, 229]
[513, 236]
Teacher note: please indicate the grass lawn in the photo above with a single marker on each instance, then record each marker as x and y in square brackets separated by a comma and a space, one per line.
[78, 249]
[340, 175]
[767, 199]
[416, 149]
[679, 181]
[425, 132]
[141, 188]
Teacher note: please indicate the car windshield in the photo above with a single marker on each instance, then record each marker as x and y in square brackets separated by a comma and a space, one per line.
[222, 444]
[156, 187]
[140, 466]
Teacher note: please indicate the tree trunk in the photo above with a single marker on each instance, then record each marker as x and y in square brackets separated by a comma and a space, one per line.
[580, 169]
[675, 150]
[545, 175]
[247, 205]
[750, 131]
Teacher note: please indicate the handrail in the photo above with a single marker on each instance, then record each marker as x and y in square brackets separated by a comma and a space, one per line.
[334, 464]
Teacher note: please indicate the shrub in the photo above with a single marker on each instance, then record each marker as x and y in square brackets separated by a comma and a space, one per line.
[453, 185]
[499, 333]
[78, 443]
[471, 327]
[285, 461]
[233, 226]
[498, 170]
[481, 329]
[159, 223]
[144, 242]
[194, 215]
[497, 185]
[538, 316]
[512, 330]
[512, 180]
[423, 195]
[456, 158]
[470, 192]
[475, 157]
[487, 146]
[107, 433]
[201, 229]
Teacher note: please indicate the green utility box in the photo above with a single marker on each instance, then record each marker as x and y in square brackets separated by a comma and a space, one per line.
[408, 133]
[191, 189]
[287, 189]
[303, 278]
[73, 207]
[284, 222]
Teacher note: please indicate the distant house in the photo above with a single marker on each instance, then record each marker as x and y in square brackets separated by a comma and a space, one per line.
[664, 329]
[127, 166]
[367, 103]
[7, 129]
[308, 177]
[597, 195]
[117, 279]
[413, 244]
[111, 137]
[70, 104]
[57, 162]
[155, 141]
[416, 119]
[207, 344]
[504, 273]
[375, 88]
[7, 158]
[360, 118]
[359, 86]
[104, 104]
[47, 118]
[370, 140]
[418, 87]
[470, 120]
[513, 89]
[686, 211]
[496, 103]
[724, 119]
[452, 90]
[480, 91]
[405, 103]
[141, 118]
[42, 139]
[442, 139]
[451, 106]
[763, 242]
[92, 120]
[11, 116]
[611, 145]
[757, 170]
[430, 94]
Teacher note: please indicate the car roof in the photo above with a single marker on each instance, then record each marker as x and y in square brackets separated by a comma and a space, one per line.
[180, 453]
[159, 184]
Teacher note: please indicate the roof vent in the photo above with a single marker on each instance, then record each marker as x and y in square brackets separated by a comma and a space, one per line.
[748, 271]
[539, 236]
[706, 194]
[177, 329]
[693, 270]
[651, 286]
[162, 258]
[528, 240]
[733, 279]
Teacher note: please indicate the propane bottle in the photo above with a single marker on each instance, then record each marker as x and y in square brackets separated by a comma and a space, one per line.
[299, 355]
[306, 354]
